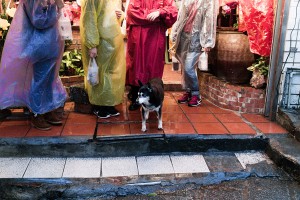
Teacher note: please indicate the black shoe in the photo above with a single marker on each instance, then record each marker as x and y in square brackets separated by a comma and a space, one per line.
[103, 114]
[4, 113]
[112, 111]
[134, 106]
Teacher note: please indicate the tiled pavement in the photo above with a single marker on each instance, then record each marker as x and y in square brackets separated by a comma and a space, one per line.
[206, 119]
[173, 164]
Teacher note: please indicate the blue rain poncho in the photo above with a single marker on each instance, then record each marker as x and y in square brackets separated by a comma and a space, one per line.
[31, 59]
[100, 28]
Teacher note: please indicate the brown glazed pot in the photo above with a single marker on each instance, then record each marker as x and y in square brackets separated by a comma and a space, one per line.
[232, 57]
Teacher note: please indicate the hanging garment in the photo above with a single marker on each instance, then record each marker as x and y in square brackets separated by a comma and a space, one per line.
[259, 22]
[100, 28]
[31, 59]
[147, 39]
[256, 17]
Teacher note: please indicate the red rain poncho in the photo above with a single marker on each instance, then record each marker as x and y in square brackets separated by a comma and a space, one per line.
[147, 39]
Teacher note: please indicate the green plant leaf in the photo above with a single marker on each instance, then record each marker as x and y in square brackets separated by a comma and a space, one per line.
[72, 60]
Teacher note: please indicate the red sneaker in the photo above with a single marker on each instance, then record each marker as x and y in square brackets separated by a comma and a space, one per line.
[184, 98]
[195, 101]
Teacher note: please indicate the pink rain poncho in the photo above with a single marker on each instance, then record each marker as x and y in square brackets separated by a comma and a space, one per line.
[31, 59]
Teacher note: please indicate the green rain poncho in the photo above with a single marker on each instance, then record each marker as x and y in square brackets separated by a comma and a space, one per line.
[100, 28]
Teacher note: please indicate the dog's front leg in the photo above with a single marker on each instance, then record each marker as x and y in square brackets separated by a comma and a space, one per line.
[144, 113]
[159, 117]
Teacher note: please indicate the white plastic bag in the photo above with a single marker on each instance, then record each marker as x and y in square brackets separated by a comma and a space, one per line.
[92, 76]
[10, 11]
[64, 26]
[123, 28]
[203, 62]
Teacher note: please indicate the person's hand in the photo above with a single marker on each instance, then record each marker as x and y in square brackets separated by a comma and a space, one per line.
[152, 16]
[119, 13]
[173, 37]
[59, 3]
[206, 49]
[51, 1]
[93, 52]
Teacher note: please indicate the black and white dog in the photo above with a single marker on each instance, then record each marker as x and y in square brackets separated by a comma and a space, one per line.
[151, 97]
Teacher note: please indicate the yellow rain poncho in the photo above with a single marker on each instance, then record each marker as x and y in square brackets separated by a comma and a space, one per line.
[100, 28]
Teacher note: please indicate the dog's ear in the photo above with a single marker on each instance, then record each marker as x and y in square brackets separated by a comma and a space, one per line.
[140, 83]
[149, 87]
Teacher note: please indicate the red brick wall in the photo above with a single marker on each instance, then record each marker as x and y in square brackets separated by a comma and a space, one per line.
[76, 43]
[69, 81]
[244, 99]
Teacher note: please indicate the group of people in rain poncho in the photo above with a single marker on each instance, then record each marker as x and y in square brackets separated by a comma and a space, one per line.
[33, 51]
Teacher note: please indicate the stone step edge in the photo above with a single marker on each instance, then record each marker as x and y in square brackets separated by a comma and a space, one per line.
[126, 146]
[283, 156]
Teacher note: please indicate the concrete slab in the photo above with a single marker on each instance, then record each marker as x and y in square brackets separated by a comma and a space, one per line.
[45, 168]
[251, 158]
[119, 166]
[189, 164]
[154, 165]
[13, 167]
[82, 168]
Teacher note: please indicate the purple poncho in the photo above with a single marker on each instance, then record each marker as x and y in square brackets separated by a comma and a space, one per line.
[31, 59]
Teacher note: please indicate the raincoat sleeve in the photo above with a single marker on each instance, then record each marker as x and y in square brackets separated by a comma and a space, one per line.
[42, 15]
[179, 24]
[91, 35]
[138, 15]
[168, 13]
[208, 31]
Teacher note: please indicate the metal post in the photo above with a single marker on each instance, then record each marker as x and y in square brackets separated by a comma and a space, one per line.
[276, 58]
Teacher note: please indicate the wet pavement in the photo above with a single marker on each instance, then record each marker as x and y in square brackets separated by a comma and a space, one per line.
[268, 188]
[206, 175]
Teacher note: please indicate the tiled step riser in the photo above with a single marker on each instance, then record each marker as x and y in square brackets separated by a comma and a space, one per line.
[125, 146]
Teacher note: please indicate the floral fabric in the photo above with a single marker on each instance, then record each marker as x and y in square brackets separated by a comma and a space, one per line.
[257, 18]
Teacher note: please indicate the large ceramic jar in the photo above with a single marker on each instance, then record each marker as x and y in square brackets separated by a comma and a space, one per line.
[232, 57]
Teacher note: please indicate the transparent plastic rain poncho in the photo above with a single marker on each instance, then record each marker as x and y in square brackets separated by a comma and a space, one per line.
[100, 28]
[196, 18]
[31, 59]
[194, 29]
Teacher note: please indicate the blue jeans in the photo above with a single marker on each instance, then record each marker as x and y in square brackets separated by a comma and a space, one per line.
[188, 52]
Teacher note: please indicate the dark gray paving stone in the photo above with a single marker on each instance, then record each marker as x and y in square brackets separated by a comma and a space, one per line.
[264, 169]
[223, 163]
